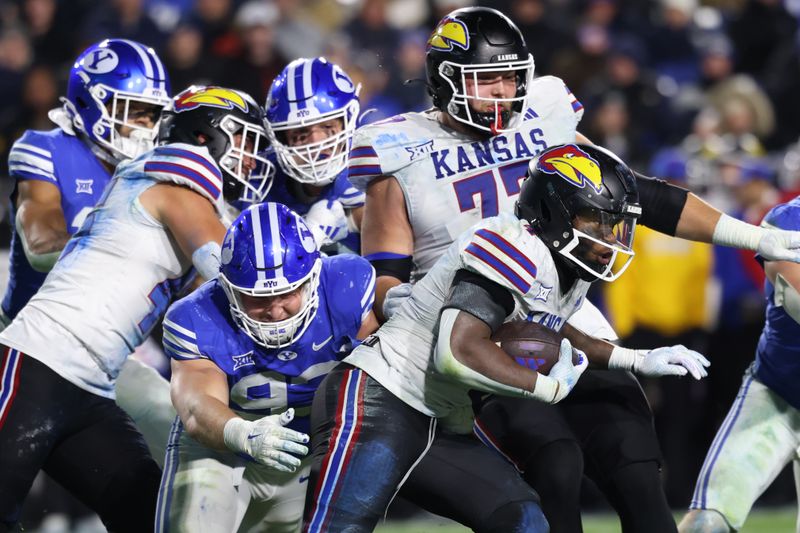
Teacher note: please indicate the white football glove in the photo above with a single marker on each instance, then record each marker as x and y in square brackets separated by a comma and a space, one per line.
[780, 245]
[267, 440]
[563, 376]
[327, 221]
[395, 297]
[675, 360]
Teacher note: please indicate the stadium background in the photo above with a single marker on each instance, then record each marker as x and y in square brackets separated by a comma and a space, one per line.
[703, 93]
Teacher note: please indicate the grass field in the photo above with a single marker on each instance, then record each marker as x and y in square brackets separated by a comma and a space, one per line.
[760, 521]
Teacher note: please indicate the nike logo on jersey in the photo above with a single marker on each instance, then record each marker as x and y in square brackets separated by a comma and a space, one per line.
[317, 347]
[302, 479]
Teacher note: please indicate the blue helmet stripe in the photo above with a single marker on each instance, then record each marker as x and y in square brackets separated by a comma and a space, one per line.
[146, 61]
[258, 241]
[291, 93]
[275, 239]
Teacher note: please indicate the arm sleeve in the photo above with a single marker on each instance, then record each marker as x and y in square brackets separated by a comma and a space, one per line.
[480, 297]
[662, 204]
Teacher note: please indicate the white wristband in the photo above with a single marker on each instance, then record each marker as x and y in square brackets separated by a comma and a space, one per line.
[735, 233]
[235, 434]
[546, 389]
[206, 260]
[623, 358]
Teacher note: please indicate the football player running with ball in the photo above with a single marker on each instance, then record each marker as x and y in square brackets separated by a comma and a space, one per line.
[248, 351]
[157, 224]
[430, 176]
[376, 416]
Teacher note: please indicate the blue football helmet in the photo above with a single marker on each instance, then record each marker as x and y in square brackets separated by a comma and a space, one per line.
[103, 83]
[269, 251]
[308, 92]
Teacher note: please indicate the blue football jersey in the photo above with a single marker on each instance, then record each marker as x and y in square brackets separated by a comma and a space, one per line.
[268, 381]
[340, 189]
[778, 353]
[65, 161]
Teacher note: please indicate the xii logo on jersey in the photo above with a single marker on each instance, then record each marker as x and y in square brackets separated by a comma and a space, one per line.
[83, 186]
[574, 165]
[420, 150]
[210, 96]
[246, 359]
[449, 33]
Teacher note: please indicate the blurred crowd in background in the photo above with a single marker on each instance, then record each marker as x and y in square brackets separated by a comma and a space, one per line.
[705, 94]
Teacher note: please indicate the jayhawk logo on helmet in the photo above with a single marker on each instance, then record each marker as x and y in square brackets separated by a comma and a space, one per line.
[450, 32]
[193, 98]
[574, 165]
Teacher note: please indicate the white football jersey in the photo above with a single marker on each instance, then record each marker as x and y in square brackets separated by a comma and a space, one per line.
[451, 180]
[116, 275]
[502, 249]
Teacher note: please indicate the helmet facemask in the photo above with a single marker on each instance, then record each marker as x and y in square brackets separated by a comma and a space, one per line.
[250, 185]
[500, 118]
[316, 163]
[281, 333]
[601, 244]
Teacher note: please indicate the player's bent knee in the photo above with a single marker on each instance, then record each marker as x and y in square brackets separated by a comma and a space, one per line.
[129, 502]
[516, 517]
[704, 521]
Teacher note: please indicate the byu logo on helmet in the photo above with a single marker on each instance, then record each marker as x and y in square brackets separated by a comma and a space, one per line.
[101, 61]
[450, 32]
[574, 165]
[227, 250]
[342, 80]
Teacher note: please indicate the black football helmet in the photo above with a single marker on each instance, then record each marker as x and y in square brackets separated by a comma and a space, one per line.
[466, 43]
[582, 201]
[212, 117]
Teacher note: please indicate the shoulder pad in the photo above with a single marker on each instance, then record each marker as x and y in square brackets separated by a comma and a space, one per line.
[552, 91]
[349, 284]
[31, 157]
[499, 249]
[379, 149]
[784, 216]
[188, 165]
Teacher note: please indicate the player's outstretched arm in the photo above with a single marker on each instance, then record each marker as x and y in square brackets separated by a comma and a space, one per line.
[665, 361]
[675, 211]
[199, 391]
[192, 221]
[40, 223]
[387, 239]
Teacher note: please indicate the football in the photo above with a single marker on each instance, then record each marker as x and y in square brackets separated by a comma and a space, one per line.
[531, 345]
